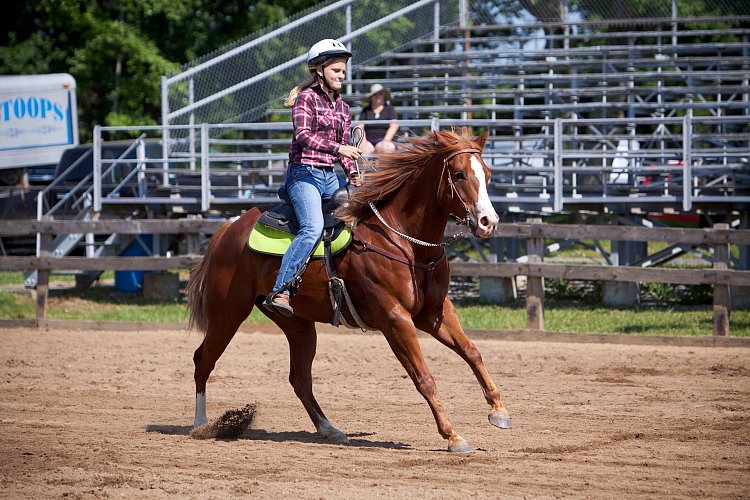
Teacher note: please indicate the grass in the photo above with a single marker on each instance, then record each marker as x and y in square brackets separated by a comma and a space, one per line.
[105, 303]
[575, 318]
[101, 304]
[16, 306]
[16, 278]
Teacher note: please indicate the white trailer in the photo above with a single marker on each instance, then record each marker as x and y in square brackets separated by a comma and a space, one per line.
[38, 120]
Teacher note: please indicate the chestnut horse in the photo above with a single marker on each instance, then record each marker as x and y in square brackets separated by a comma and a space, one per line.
[395, 272]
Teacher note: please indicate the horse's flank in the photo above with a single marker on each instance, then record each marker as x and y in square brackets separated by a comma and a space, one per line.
[394, 170]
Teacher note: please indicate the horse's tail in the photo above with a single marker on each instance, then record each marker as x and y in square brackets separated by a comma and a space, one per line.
[197, 281]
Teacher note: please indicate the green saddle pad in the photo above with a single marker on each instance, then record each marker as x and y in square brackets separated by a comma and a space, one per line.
[270, 241]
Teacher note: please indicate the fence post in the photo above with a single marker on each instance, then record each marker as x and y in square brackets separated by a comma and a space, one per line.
[722, 298]
[42, 280]
[534, 284]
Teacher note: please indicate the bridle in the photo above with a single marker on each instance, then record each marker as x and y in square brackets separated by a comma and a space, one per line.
[465, 220]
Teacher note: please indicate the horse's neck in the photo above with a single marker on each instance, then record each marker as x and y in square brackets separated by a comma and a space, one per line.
[416, 210]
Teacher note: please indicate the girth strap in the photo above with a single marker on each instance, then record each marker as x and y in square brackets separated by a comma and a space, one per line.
[337, 290]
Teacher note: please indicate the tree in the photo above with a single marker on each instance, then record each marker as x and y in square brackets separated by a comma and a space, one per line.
[118, 50]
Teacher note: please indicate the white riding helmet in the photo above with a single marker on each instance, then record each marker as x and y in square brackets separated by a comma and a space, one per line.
[326, 49]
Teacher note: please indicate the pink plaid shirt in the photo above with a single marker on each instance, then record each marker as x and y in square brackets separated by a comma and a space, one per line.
[320, 128]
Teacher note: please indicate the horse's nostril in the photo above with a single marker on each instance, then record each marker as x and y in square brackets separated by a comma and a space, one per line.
[484, 222]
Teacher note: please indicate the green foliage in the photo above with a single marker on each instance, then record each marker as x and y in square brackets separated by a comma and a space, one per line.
[589, 292]
[684, 295]
[697, 294]
[118, 51]
[660, 292]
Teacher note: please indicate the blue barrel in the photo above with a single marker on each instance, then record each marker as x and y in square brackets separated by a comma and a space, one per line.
[132, 281]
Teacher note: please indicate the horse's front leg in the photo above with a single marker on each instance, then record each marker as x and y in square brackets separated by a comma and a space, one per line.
[402, 337]
[445, 326]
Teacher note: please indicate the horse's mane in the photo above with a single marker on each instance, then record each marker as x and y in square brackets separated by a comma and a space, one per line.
[394, 170]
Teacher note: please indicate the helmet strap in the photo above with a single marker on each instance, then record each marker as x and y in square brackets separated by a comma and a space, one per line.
[323, 79]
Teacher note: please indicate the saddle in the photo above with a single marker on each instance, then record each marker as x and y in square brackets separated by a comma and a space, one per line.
[276, 228]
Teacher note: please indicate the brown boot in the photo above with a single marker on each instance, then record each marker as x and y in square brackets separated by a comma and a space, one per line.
[280, 305]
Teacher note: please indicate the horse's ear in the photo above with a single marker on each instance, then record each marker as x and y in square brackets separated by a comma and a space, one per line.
[482, 138]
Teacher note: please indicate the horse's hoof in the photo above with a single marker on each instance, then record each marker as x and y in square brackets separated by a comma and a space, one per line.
[338, 438]
[460, 445]
[332, 434]
[500, 420]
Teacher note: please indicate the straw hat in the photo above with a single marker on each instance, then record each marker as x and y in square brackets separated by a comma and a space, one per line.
[375, 88]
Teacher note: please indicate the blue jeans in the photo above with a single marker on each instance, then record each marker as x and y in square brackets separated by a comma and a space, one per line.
[307, 187]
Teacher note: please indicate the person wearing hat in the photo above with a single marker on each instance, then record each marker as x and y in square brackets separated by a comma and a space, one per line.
[379, 137]
[321, 129]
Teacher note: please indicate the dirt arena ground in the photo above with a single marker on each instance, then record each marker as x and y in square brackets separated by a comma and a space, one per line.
[89, 414]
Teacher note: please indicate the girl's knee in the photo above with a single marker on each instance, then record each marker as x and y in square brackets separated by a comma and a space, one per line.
[310, 229]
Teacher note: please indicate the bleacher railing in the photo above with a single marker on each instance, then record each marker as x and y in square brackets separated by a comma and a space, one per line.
[664, 162]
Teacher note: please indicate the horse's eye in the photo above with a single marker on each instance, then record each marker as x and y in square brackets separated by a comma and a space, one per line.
[459, 175]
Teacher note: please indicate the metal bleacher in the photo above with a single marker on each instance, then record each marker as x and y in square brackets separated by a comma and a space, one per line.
[615, 115]
[601, 120]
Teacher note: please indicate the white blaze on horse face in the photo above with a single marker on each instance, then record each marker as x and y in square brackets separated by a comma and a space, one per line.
[487, 218]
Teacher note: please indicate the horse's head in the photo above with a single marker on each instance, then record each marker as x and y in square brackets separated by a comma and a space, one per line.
[465, 185]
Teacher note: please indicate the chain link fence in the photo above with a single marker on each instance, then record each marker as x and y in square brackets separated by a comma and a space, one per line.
[238, 83]
[556, 11]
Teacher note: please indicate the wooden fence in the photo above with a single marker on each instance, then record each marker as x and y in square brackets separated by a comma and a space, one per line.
[720, 237]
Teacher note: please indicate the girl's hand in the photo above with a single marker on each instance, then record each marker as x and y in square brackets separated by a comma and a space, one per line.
[355, 179]
[352, 152]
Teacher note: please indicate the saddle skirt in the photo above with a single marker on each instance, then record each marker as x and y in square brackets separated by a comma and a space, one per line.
[277, 227]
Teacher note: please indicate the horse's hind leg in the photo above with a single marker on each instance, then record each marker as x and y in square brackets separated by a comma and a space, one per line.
[218, 336]
[446, 328]
[303, 340]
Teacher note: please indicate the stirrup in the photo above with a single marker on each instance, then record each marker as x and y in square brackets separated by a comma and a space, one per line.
[358, 136]
[280, 305]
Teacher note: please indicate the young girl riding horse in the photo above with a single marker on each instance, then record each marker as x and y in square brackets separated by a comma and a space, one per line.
[322, 125]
